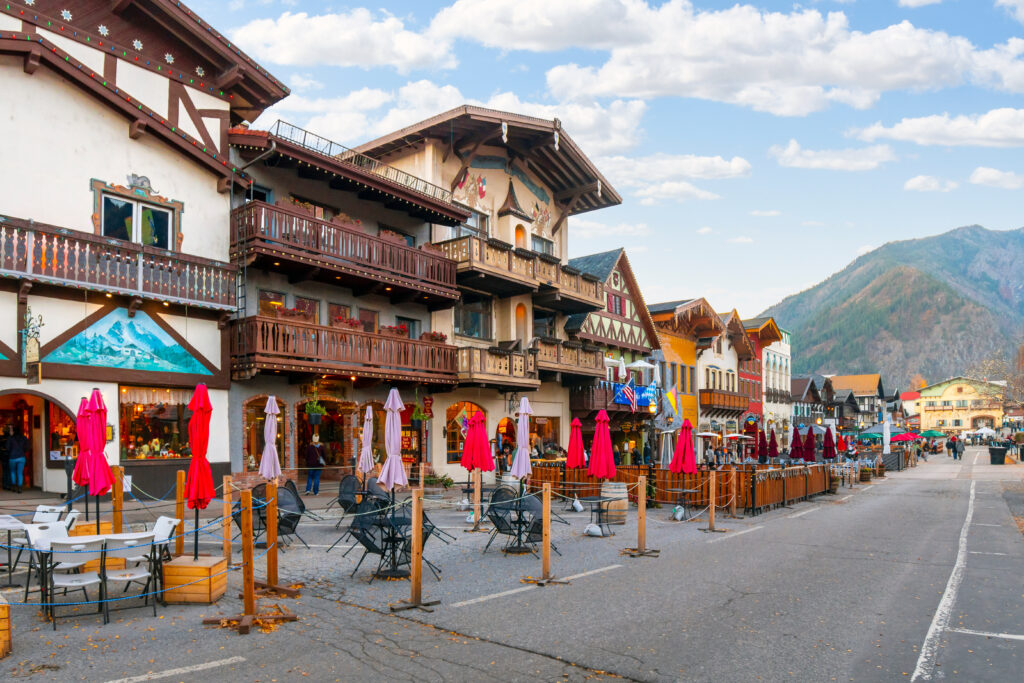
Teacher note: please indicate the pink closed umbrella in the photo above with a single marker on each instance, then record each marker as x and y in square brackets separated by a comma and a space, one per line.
[393, 473]
[602, 464]
[81, 474]
[366, 464]
[199, 489]
[574, 459]
[828, 448]
[809, 446]
[684, 460]
[521, 467]
[270, 468]
[773, 446]
[476, 451]
[96, 470]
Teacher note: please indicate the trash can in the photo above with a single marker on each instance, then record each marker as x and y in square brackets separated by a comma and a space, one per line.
[997, 455]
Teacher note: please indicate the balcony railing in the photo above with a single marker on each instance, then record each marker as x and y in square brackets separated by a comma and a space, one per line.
[328, 148]
[602, 397]
[291, 232]
[267, 344]
[45, 253]
[497, 367]
[717, 399]
[971, 405]
[569, 359]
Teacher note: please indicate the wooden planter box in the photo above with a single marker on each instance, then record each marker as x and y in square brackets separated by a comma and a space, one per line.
[207, 573]
[880, 471]
[6, 630]
[833, 486]
[865, 475]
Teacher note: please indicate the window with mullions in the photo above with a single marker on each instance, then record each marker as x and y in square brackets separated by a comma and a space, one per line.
[543, 246]
[134, 221]
[473, 319]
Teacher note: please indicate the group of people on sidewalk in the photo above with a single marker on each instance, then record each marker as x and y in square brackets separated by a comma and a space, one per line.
[14, 448]
[955, 448]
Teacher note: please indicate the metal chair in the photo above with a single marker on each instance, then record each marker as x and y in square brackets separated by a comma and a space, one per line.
[288, 515]
[499, 511]
[346, 499]
[367, 529]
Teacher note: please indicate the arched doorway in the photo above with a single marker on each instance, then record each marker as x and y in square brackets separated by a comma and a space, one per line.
[49, 427]
[521, 324]
[980, 421]
[334, 432]
[456, 422]
[521, 237]
[254, 420]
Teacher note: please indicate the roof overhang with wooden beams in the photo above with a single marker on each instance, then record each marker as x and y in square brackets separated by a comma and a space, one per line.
[765, 330]
[145, 32]
[342, 174]
[695, 319]
[538, 145]
[738, 336]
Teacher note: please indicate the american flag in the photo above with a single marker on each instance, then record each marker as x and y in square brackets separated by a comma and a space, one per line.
[629, 393]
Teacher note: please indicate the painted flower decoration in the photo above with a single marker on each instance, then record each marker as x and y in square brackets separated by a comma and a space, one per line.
[65, 15]
[200, 71]
[169, 58]
[137, 44]
[103, 30]
[30, 3]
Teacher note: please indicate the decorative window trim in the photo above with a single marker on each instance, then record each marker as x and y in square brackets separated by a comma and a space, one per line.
[136, 193]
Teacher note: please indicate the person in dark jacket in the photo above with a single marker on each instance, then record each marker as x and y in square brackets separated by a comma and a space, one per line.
[315, 460]
[647, 453]
[6, 475]
[17, 452]
[616, 456]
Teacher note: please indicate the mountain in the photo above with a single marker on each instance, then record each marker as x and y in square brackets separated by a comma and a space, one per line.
[932, 306]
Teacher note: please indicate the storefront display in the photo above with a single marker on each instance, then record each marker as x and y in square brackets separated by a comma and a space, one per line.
[63, 438]
[254, 416]
[154, 423]
[544, 434]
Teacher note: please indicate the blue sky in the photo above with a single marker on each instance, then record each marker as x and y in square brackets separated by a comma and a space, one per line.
[758, 147]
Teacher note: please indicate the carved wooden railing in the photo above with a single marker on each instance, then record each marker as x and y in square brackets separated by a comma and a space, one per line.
[602, 397]
[35, 251]
[553, 355]
[293, 344]
[338, 244]
[477, 364]
[723, 400]
[499, 258]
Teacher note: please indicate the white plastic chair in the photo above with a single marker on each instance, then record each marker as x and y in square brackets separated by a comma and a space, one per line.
[39, 539]
[71, 520]
[47, 513]
[69, 552]
[128, 549]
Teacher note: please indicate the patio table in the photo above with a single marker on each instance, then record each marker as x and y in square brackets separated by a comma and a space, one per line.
[598, 512]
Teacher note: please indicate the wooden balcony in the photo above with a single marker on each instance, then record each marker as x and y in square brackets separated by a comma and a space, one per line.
[601, 396]
[288, 239]
[496, 267]
[49, 254]
[268, 345]
[572, 360]
[498, 368]
[723, 401]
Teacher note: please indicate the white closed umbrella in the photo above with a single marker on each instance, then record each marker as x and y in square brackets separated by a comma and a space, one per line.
[393, 473]
[521, 467]
[622, 369]
[656, 375]
[270, 468]
[886, 436]
[366, 464]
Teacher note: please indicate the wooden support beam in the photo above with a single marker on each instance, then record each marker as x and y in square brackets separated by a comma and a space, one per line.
[467, 158]
[248, 588]
[32, 60]
[133, 306]
[415, 600]
[580, 189]
[546, 577]
[136, 129]
[230, 78]
[641, 549]
[566, 210]
[118, 6]
[474, 141]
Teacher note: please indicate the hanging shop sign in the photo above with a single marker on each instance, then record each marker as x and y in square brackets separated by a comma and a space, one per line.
[428, 406]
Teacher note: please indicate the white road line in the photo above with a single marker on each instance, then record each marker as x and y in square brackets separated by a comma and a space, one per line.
[926, 661]
[801, 514]
[987, 634]
[865, 488]
[980, 524]
[738, 533]
[982, 552]
[181, 670]
[845, 498]
[513, 591]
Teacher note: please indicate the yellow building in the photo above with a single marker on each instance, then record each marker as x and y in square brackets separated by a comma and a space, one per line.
[961, 404]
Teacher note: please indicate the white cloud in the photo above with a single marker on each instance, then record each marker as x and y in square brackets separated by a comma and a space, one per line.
[344, 39]
[677, 190]
[918, 3]
[864, 159]
[304, 82]
[706, 230]
[1007, 180]
[1002, 127]
[586, 228]
[741, 240]
[864, 249]
[813, 224]
[637, 171]
[1014, 7]
[928, 183]
[765, 213]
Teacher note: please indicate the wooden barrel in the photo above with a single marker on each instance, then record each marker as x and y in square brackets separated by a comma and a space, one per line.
[615, 509]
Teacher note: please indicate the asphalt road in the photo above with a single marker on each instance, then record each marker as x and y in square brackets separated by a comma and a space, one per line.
[918, 576]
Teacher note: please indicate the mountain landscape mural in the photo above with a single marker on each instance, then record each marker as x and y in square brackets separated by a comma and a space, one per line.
[117, 341]
[933, 306]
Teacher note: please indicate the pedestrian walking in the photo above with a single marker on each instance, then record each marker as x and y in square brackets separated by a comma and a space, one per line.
[949, 447]
[315, 462]
[4, 465]
[959, 449]
[17, 451]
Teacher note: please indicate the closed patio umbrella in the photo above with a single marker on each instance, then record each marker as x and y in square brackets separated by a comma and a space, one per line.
[809, 446]
[602, 464]
[270, 468]
[841, 444]
[521, 467]
[96, 468]
[773, 446]
[828, 449]
[366, 464]
[199, 481]
[684, 461]
[796, 445]
[81, 474]
[762, 447]
[886, 436]
[574, 459]
[393, 473]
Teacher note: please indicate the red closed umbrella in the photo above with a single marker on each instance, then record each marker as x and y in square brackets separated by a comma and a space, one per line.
[199, 481]
[81, 474]
[602, 464]
[796, 445]
[809, 446]
[574, 459]
[762, 446]
[101, 480]
[684, 460]
[773, 446]
[476, 451]
[828, 449]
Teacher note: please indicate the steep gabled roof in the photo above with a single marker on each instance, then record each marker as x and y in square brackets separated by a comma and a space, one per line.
[765, 329]
[804, 390]
[602, 266]
[689, 318]
[738, 336]
[599, 265]
[860, 385]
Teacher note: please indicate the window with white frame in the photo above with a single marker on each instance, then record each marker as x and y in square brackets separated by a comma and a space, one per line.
[137, 221]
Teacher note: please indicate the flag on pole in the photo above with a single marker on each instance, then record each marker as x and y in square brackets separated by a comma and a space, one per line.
[628, 394]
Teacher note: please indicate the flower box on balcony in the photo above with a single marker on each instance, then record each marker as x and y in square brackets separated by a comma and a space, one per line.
[439, 337]
[394, 331]
[392, 236]
[347, 324]
[294, 314]
[432, 248]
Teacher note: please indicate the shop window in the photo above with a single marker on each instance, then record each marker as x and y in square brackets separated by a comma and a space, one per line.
[338, 312]
[369, 319]
[309, 308]
[956, 423]
[473, 319]
[543, 246]
[545, 435]
[154, 423]
[270, 302]
[61, 430]
[254, 420]
[456, 423]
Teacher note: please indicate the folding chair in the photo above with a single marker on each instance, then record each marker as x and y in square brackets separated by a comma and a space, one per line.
[128, 549]
[69, 552]
[499, 511]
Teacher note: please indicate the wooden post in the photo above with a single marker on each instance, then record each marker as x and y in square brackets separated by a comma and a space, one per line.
[179, 512]
[641, 522]
[733, 490]
[248, 587]
[712, 500]
[415, 600]
[117, 498]
[271, 533]
[226, 513]
[545, 546]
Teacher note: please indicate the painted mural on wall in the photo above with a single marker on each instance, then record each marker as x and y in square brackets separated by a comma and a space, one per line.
[117, 341]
